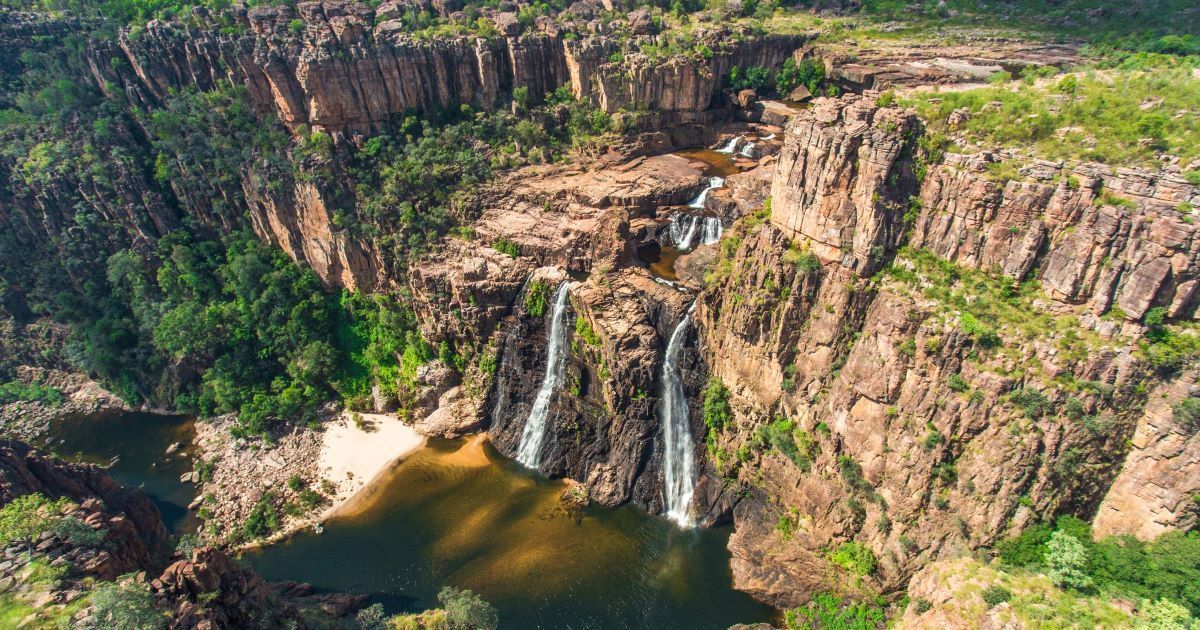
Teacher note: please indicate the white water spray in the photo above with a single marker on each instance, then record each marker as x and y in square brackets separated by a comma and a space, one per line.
[678, 458]
[748, 150]
[529, 452]
[730, 146]
[712, 230]
[713, 182]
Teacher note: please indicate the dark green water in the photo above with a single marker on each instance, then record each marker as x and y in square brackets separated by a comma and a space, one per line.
[458, 513]
[139, 441]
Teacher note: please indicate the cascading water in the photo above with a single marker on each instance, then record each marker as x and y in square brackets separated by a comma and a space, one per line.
[748, 150]
[713, 182]
[678, 459]
[683, 230]
[712, 230]
[730, 146]
[529, 452]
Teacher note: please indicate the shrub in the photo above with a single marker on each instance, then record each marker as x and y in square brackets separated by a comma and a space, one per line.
[717, 413]
[827, 610]
[25, 518]
[921, 605]
[1187, 413]
[125, 604]
[78, 533]
[467, 611]
[995, 595]
[537, 297]
[263, 519]
[957, 383]
[1066, 561]
[1032, 402]
[854, 557]
[13, 391]
[372, 618]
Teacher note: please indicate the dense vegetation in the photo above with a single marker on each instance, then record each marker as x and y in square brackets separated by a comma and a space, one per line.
[1119, 566]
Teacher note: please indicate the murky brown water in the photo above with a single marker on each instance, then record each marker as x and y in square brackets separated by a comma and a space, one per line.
[458, 513]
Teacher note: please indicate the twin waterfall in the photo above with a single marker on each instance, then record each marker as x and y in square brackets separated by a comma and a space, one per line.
[530, 451]
[679, 466]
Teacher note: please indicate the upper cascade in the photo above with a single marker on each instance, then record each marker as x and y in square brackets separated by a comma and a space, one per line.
[530, 451]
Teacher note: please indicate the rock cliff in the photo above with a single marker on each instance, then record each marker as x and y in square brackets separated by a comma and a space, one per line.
[350, 68]
[872, 404]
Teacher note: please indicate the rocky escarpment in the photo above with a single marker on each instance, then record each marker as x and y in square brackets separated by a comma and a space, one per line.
[882, 398]
[601, 427]
[350, 67]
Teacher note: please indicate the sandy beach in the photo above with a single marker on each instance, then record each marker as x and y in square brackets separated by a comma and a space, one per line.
[353, 457]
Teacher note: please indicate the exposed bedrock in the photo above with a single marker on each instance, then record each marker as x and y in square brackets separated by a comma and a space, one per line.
[1107, 238]
[890, 450]
[601, 426]
[352, 67]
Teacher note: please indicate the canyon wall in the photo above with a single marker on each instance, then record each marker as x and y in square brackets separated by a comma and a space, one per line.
[912, 431]
[351, 68]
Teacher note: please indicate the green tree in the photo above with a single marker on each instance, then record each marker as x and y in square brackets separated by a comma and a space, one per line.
[467, 611]
[1066, 561]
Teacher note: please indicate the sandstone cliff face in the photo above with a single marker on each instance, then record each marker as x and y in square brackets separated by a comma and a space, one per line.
[907, 428]
[352, 67]
[1156, 489]
[843, 171]
[601, 428]
[1090, 235]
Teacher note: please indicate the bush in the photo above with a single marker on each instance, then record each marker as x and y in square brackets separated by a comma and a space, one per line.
[263, 519]
[717, 413]
[855, 557]
[125, 605]
[467, 611]
[13, 391]
[537, 297]
[1032, 402]
[827, 610]
[995, 595]
[78, 533]
[1187, 413]
[26, 517]
[957, 383]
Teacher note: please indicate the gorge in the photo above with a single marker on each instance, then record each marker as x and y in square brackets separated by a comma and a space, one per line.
[599, 314]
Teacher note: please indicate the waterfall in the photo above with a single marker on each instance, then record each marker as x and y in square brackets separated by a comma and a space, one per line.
[730, 146]
[747, 151]
[712, 230]
[770, 137]
[530, 451]
[713, 182]
[678, 459]
[683, 230]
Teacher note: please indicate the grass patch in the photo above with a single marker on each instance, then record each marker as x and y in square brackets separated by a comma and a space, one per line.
[1114, 116]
